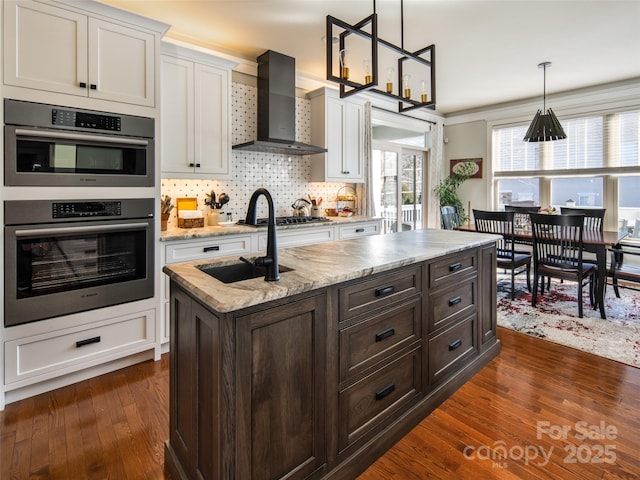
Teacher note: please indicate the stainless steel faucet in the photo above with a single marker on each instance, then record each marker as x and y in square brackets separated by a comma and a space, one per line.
[270, 261]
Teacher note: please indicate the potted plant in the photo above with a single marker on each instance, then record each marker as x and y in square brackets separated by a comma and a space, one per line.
[447, 189]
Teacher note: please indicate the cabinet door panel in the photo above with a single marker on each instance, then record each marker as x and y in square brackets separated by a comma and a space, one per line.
[212, 117]
[335, 145]
[177, 120]
[281, 390]
[354, 141]
[34, 58]
[121, 63]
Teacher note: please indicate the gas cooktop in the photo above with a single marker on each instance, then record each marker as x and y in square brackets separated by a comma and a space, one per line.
[298, 220]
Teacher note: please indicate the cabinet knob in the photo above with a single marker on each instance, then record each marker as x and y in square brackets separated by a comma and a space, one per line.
[83, 85]
[93, 86]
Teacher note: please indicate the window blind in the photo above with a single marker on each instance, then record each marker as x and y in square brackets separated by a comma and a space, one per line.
[595, 145]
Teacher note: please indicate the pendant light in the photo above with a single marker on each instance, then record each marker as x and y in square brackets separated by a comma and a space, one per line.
[398, 88]
[544, 127]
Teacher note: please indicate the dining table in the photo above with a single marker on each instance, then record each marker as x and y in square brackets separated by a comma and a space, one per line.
[593, 241]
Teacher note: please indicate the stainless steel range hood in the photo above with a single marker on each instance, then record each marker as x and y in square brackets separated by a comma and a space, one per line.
[277, 108]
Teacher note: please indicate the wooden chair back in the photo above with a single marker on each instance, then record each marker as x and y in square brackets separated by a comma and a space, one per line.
[521, 213]
[500, 223]
[593, 217]
[557, 241]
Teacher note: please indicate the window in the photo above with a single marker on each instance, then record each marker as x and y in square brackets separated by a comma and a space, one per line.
[600, 154]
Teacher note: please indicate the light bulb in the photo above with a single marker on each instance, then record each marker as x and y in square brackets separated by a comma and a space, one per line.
[344, 63]
[423, 86]
[390, 79]
[367, 71]
[406, 85]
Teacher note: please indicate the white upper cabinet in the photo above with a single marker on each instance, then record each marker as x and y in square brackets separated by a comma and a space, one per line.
[195, 114]
[63, 51]
[338, 125]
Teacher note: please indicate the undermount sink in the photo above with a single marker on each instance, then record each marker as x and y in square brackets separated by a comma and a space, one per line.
[236, 272]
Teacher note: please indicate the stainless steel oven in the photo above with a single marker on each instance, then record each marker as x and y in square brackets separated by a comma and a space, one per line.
[59, 146]
[69, 256]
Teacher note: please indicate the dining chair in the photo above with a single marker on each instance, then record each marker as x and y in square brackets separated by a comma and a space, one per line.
[593, 220]
[502, 223]
[620, 270]
[557, 253]
[450, 219]
[593, 217]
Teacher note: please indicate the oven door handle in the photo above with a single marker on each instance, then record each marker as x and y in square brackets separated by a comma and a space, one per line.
[80, 229]
[75, 136]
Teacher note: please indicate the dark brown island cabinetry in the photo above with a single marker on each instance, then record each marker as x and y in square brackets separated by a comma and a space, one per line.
[320, 384]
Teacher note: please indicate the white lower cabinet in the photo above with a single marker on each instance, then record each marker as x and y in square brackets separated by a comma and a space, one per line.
[358, 230]
[197, 249]
[50, 354]
[296, 238]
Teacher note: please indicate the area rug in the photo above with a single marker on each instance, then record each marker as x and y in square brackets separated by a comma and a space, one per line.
[555, 318]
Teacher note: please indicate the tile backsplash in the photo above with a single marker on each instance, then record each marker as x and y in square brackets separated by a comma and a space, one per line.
[286, 178]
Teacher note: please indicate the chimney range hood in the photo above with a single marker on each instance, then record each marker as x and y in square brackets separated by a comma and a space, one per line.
[277, 108]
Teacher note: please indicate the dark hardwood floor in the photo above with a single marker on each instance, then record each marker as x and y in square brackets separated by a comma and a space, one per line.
[538, 410]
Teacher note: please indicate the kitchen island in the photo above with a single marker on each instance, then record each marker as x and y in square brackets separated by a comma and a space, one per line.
[318, 374]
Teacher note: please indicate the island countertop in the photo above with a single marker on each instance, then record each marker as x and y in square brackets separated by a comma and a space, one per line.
[322, 265]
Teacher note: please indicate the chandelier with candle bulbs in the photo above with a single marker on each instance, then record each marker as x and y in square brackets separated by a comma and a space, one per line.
[360, 59]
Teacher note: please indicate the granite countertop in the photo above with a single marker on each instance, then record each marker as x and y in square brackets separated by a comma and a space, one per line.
[175, 233]
[322, 265]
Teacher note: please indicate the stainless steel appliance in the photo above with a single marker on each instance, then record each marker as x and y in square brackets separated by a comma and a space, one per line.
[51, 145]
[69, 256]
[293, 220]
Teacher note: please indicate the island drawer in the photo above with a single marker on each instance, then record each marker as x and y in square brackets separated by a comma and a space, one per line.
[447, 305]
[372, 341]
[211, 248]
[452, 268]
[363, 297]
[449, 348]
[379, 398]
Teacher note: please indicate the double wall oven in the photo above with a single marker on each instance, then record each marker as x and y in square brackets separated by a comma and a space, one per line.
[63, 255]
[49, 145]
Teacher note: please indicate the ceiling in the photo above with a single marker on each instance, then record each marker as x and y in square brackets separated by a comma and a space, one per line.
[487, 51]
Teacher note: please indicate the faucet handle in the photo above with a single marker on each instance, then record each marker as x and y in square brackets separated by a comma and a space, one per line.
[263, 261]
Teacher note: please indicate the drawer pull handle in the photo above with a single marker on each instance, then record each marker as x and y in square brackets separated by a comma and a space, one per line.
[455, 344]
[455, 266]
[382, 291]
[455, 301]
[88, 341]
[215, 248]
[389, 332]
[359, 230]
[380, 394]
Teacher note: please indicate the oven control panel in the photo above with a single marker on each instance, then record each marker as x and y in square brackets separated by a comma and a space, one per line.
[86, 209]
[73, 118]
